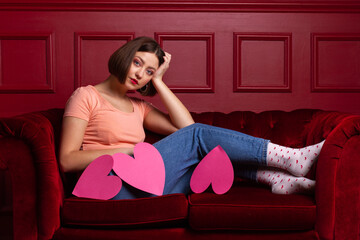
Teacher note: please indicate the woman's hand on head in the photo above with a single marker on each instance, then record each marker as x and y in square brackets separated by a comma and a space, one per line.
[178, 115]
[158, 75]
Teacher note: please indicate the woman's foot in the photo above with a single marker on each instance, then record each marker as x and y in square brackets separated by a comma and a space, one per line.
[297, 161]
[284, 183]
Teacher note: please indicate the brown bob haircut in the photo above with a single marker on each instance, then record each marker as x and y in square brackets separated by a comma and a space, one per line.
[121, 60]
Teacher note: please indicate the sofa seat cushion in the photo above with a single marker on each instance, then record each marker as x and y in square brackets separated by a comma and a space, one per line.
[168, 210]
[250, 206]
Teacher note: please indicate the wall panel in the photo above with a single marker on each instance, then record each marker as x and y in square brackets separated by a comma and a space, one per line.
[193, 62]
[26, 63]
[262, 62]
[92, 54]
[336, 63]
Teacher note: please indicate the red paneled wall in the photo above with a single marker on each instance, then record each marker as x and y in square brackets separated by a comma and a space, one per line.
[227, 55]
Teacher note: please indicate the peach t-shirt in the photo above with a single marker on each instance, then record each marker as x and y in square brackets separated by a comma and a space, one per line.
[108, 127]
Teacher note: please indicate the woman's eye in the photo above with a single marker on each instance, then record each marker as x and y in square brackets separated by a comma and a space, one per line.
[136, 62]
[149, 72]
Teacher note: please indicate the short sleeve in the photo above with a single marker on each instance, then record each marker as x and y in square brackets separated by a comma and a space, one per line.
[143, 106]
[148, 107]
[80, 104]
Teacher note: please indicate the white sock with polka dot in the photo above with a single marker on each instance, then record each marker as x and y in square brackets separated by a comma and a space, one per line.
[297, 161]
[284, 183]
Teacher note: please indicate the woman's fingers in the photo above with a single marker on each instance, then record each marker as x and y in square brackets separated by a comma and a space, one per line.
[167, 58]
[164, 67]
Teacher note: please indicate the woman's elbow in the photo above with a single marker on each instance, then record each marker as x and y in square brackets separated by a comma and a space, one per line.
[65, 165]
[189, 122]
[185, 124]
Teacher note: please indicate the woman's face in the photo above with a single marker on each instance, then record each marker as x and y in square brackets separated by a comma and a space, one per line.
[142, 69]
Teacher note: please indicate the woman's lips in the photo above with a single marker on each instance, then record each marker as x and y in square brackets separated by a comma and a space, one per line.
[134, 81]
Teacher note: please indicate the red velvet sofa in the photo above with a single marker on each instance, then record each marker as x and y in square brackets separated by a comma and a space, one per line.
[44, 208]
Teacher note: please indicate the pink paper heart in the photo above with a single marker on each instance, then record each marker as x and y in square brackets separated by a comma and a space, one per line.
[95, 183]
[146, 171]
[215, 169]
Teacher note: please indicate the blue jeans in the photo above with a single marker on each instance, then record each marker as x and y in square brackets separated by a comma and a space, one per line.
[184, 149]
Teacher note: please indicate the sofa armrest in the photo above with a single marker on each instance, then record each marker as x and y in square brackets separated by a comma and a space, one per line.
[338, 182]
[38, 169]
[15, 157]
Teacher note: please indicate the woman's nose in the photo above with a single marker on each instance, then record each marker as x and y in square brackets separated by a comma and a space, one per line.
[139, 73]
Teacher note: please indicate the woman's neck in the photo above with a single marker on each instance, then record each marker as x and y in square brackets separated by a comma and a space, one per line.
[111, 86]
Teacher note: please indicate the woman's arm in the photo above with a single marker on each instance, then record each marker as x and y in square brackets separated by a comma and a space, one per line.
[71, 157]
[179, 116]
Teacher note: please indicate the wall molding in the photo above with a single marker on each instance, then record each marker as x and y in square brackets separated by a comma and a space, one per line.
[81, 36]
[237, 81]
[209, 87]
[316, 38]
[186, 6]
[49, 85]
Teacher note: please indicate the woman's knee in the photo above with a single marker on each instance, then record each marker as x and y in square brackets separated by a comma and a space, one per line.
[198, 125]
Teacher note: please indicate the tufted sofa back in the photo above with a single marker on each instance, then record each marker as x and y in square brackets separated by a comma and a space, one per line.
[285, 128]
[297, 128]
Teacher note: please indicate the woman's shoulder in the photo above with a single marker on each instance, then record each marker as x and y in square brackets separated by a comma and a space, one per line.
[85, 92]
[89, 89]
[81, 103]
[84, 95]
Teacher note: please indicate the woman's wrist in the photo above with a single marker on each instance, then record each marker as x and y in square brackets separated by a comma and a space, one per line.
[156, 81]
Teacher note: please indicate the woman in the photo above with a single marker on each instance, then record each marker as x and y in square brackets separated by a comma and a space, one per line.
[102, 119]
